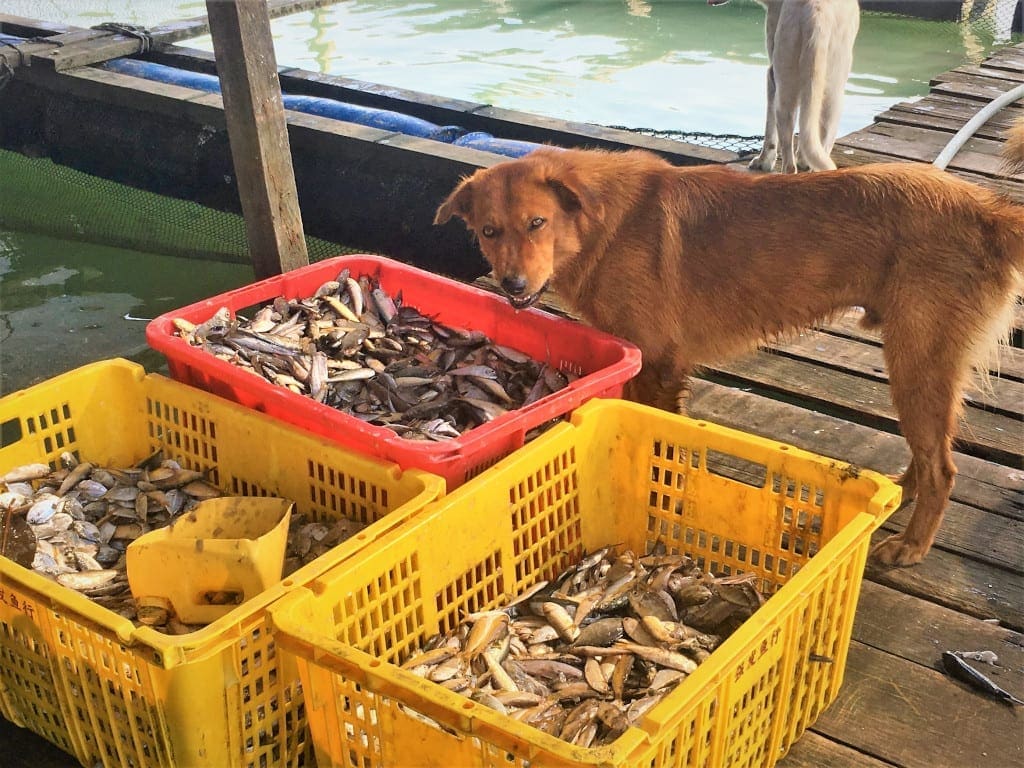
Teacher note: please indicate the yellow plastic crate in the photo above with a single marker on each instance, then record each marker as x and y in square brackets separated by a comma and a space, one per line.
[618, 474]
[112, 694]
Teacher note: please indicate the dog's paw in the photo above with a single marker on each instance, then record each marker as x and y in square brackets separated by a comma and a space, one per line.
[894, 551]
[762, 163]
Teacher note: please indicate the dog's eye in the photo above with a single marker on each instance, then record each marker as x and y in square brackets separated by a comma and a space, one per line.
[537, 222]
[488, 231]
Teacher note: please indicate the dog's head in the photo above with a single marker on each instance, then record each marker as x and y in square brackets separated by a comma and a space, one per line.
[526, 215]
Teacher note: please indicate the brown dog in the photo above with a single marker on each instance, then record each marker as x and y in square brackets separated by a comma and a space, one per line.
[695, 265]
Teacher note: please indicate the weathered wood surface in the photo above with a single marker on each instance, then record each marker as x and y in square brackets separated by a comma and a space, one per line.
[254, 113]
[982, 433]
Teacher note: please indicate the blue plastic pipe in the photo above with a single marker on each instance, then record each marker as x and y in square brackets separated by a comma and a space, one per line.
[315, 105]
[350, 113]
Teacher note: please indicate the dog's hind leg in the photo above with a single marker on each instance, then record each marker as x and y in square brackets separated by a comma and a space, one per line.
[814, 106]
[765, 160]
[835, 87]
[926, 382]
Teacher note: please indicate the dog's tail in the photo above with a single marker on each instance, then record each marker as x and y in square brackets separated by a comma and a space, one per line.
[997, 320]
[1013, 149]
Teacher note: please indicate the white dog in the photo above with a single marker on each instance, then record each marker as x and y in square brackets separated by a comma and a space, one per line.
[810, 50]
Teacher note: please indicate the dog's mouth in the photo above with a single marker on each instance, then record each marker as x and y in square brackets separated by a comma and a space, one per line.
[522, 302]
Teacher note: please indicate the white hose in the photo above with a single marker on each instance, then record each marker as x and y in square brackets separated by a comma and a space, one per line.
[975, 123]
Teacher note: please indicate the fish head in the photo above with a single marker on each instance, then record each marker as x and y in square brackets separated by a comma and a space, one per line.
[527, 215]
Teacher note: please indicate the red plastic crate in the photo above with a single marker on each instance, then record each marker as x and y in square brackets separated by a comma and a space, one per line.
[603, 362]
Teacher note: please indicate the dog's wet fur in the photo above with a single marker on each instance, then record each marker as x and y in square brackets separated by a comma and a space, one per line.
[697, 265]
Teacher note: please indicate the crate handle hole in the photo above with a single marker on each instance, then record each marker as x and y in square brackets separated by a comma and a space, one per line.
[10, 432]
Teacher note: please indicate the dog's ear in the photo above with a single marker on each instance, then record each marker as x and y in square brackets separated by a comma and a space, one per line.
[459, 203]
[575, 196]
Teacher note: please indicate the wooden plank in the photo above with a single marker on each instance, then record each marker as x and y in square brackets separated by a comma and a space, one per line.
[845, 156]
[983, 484]
[916, 717]
[254, 113]
[980, 70]
[957, 105]
[1005, 396]
[968, 87]
[932, 120]
[979, 156]
[966, 586]
[813, 750]
[848, 324]
[1008, 59]
[102, 47]
[919, 631]
[107, 44]
[974, 533]
[983, 434]
[33, 51]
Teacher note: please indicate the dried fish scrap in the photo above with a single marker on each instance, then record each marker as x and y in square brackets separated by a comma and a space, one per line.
[355, 348]
[73, 524]
[584, 657]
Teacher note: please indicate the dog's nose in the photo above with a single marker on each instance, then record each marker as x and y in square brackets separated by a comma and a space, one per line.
[514, 286]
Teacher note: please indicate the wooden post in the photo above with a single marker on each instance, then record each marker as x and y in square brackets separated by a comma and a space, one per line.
[254, 112]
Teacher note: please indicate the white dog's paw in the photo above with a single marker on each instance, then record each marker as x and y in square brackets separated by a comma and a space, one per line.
[762, 163]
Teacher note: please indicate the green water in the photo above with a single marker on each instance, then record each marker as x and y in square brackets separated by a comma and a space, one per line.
[65, 303]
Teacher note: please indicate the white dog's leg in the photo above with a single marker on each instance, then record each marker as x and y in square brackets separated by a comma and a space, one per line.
[765, 161]
[829, 32]
[789, 38]
[846, 27]
[814, 68]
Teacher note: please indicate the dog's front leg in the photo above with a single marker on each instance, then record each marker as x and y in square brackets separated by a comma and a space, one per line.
[663, 387]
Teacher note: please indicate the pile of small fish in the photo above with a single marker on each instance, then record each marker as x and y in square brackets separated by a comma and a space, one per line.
[74, 524]
[355, 348]
[584, 657]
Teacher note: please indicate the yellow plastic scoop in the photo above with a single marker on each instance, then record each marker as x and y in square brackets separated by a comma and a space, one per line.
[221, 553]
